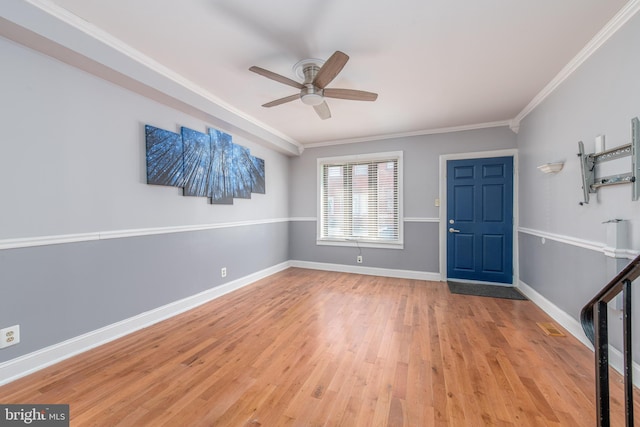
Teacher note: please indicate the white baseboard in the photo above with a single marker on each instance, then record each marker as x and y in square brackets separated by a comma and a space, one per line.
[32, 362]
[371, 271]
[573, 326]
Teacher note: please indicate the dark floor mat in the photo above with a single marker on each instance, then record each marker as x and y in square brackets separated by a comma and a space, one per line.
[493, 291]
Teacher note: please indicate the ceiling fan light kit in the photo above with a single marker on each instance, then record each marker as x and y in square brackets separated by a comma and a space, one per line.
[312, 98]
[317, 74]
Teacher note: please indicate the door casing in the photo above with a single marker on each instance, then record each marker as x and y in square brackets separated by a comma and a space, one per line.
[443, 205]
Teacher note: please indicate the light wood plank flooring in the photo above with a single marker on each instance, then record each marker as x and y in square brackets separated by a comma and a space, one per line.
[313, 348]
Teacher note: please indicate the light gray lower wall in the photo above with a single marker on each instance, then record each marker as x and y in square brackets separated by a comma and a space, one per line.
[420, 251]
[58, 292]
[565, 274]
[570, 276]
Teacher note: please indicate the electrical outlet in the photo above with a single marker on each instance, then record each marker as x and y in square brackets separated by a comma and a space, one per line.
[359, 259]
[9, 336]
[223, 272]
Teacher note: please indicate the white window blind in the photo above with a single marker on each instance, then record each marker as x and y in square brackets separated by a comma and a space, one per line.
[360, 199]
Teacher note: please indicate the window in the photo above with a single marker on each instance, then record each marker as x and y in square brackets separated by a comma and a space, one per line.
[360, 200]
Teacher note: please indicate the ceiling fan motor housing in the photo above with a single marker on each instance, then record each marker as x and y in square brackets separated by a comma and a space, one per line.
[310, 94]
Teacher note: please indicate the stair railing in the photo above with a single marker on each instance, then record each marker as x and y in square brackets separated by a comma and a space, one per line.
[595, 324]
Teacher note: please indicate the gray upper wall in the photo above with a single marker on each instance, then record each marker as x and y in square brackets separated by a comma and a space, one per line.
[421, 166]
[72, 156]
[599, 98]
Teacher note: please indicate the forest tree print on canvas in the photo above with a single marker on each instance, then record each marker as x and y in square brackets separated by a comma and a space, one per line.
[203, 164]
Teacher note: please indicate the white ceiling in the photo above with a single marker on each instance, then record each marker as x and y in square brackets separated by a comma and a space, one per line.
[434, 63]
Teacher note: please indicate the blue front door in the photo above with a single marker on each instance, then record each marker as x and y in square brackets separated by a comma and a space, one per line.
[480, 219]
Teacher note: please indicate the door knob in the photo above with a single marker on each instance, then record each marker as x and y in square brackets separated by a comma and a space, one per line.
[453, 230]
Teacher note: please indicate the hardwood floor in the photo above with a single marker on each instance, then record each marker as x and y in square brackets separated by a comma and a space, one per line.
[313, 348]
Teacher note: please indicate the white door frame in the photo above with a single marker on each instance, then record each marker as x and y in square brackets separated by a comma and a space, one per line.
[512, 152]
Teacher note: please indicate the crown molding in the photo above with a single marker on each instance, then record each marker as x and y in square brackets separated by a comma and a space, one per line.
[59, 33]
[462, 128]
[621, 18]
[26, 15]
[514, 125]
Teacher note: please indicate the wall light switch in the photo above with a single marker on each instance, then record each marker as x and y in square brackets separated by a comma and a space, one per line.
[437, 202]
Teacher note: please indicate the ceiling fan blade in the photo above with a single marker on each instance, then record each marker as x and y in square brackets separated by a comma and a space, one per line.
[330, 69]
[355, 95]
[277, 77]
[323, 110]
[281, 100]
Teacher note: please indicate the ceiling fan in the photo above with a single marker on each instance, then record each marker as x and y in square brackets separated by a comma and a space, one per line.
[317, 74]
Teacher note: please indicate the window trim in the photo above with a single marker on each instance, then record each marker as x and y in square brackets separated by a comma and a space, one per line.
[328, 241]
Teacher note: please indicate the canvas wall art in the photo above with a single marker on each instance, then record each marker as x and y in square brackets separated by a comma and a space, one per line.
[164, 157]
[222, 176]
[242, 172]
[258, 185]
[197, 162]
[203, 164]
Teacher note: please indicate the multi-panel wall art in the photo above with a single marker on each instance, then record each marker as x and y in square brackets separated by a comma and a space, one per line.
[203, 164]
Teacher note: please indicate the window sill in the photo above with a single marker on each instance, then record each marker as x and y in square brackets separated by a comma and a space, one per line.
[360, 244]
